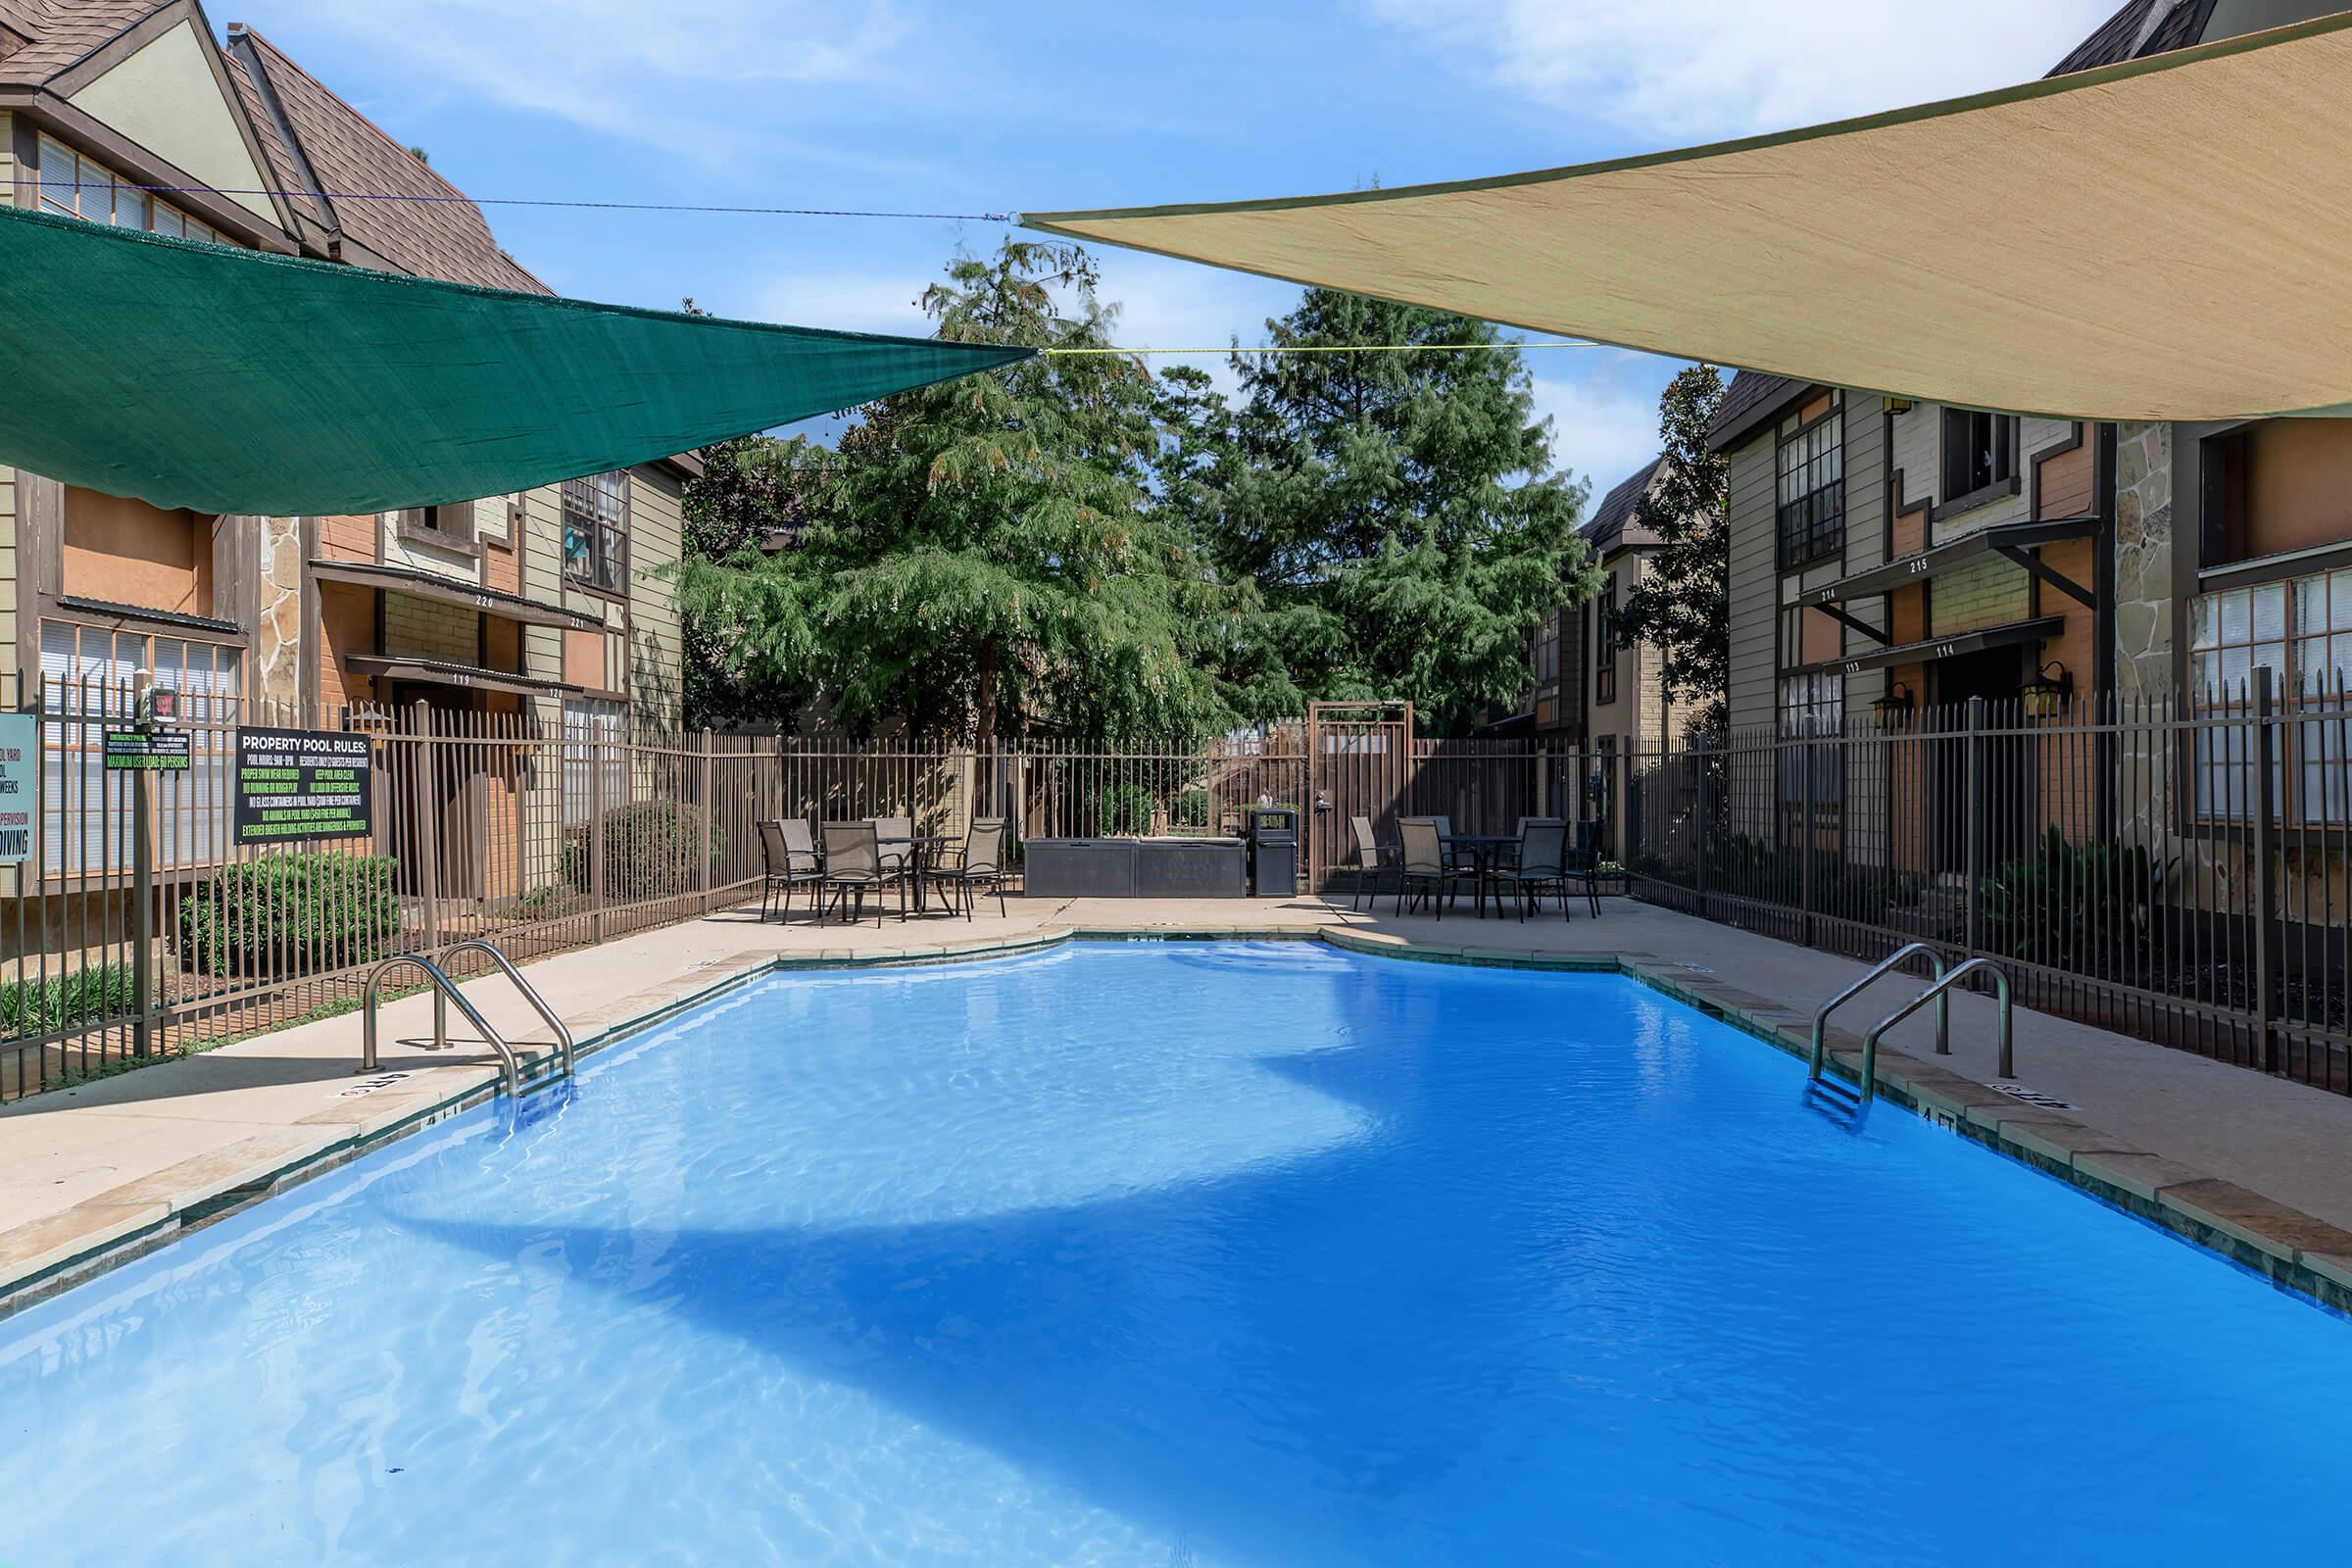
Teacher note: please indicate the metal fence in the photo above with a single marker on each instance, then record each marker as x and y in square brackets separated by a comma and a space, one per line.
[2175, 871]
[2174, 874]
[543, 837]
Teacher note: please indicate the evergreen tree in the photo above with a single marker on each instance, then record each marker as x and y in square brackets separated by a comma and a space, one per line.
[1395, 513]
[1681, 606]
[980, 557]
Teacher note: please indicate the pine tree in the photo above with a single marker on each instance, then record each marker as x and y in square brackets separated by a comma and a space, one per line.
[1681, 606]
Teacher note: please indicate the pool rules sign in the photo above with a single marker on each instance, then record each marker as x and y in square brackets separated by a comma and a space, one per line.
[298, 784]
[20, 777]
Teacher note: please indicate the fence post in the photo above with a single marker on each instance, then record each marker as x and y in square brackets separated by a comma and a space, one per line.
[1698, 839]
[1804, 834]
[424, 781]
[592, 740]
[1973, 827]
[709, 818]
[2266, 877]
[142, 919]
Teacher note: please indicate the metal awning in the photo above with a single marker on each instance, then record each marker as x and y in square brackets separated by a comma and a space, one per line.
[1952, 647]
[421, 584]
[2009, 539]
[436, 672]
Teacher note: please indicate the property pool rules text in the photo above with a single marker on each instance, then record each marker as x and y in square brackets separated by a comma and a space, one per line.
[296, 784]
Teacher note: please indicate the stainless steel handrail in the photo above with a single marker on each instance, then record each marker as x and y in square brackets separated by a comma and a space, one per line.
[443, 987]
[1886, 966]
[2000, 991]
[529, 993]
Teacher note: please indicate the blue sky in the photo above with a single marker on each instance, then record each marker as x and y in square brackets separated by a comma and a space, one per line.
[992, 107]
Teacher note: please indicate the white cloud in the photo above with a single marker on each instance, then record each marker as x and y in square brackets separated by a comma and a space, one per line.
[1695, 70]
[1603, 408]
[701, 77]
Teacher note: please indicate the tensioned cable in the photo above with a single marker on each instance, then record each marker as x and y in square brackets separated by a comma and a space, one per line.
[1347, 348]
[507, 201]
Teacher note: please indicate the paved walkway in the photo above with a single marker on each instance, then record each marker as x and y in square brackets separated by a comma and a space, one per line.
[146, 1153]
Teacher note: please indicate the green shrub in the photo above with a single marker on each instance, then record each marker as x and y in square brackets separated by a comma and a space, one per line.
[650, 849]
[291, 910]
[2066, 902]
[1123, 809]
[1194, 807]
[45, 1006]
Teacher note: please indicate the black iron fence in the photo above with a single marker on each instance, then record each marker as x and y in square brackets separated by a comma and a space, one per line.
[2173, 871]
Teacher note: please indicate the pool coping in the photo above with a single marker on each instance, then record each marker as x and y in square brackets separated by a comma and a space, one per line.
[2294, 1251]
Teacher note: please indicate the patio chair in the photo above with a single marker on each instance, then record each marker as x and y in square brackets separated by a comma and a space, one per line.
[1583, 863]
[980, 865]
[1423, 860]
[1543, 866]
[1458, 859]
[791, 862]
[854, 866]
[897, 855]
[1371, 858]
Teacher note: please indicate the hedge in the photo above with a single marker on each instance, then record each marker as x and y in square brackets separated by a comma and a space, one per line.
[290, 911]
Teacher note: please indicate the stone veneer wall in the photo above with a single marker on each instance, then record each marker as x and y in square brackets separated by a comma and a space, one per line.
[2143, 558]
[277, 617]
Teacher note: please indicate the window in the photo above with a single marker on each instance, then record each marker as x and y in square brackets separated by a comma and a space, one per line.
[1545, 664]
[1812, 485]
[89, 683]
[83, 187]
[593, 732]
[1812, 705]
[595, 531]
[1980, 452]
[2301, 631]
[1604, 652]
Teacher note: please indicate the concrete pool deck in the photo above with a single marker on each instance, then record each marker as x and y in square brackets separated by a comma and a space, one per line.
[2257, 1168]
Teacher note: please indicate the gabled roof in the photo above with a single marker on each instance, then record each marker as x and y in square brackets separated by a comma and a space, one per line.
[59, 34]
[1608, 525]
[1753, 399]
[2143, 27]
[315, 141]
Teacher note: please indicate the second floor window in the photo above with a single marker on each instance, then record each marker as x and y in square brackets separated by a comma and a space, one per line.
[595, 531]
[83, 187]
[1811, 461]
[1980, 452]
[1546, 660]
[1605, 651]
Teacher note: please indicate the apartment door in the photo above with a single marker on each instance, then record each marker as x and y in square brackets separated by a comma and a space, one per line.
[2002, 802]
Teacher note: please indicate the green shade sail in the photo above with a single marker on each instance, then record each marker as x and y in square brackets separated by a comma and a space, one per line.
[224, 380]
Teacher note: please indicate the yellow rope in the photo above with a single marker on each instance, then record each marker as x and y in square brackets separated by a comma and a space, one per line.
[1345, 348]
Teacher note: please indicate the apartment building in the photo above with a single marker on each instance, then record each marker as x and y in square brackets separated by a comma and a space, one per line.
[1889, 555]
[551, 605]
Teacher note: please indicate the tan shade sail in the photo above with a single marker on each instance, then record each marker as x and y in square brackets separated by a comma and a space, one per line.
[2165, 240]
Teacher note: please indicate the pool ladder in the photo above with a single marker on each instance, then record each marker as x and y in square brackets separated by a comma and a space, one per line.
[1853, 1097]
[445, 992]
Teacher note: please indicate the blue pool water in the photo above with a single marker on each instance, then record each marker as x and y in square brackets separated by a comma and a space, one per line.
[1177, 1254]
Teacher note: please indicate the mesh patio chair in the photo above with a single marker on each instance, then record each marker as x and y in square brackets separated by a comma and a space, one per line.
[900, 855]
[1583, 863]
[854, 866]
[1543, 864]
[1461, 859]
[791, 862]
[1371, 858]
[1423, 861]
[981, 864]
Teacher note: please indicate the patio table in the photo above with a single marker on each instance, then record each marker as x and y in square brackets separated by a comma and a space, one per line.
[920, 844]
[1485, 850]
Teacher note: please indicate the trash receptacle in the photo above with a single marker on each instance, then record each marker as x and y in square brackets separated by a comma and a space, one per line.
[1273, 852]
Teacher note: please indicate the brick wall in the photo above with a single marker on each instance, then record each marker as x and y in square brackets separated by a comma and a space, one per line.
[427, 630]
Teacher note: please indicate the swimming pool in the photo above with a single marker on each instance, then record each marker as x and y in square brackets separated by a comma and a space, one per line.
[1176, 1252]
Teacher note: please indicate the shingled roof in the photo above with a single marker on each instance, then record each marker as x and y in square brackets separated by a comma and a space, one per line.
[315, 141]
[53, 35]
[1609, 521]
[2143, 27]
